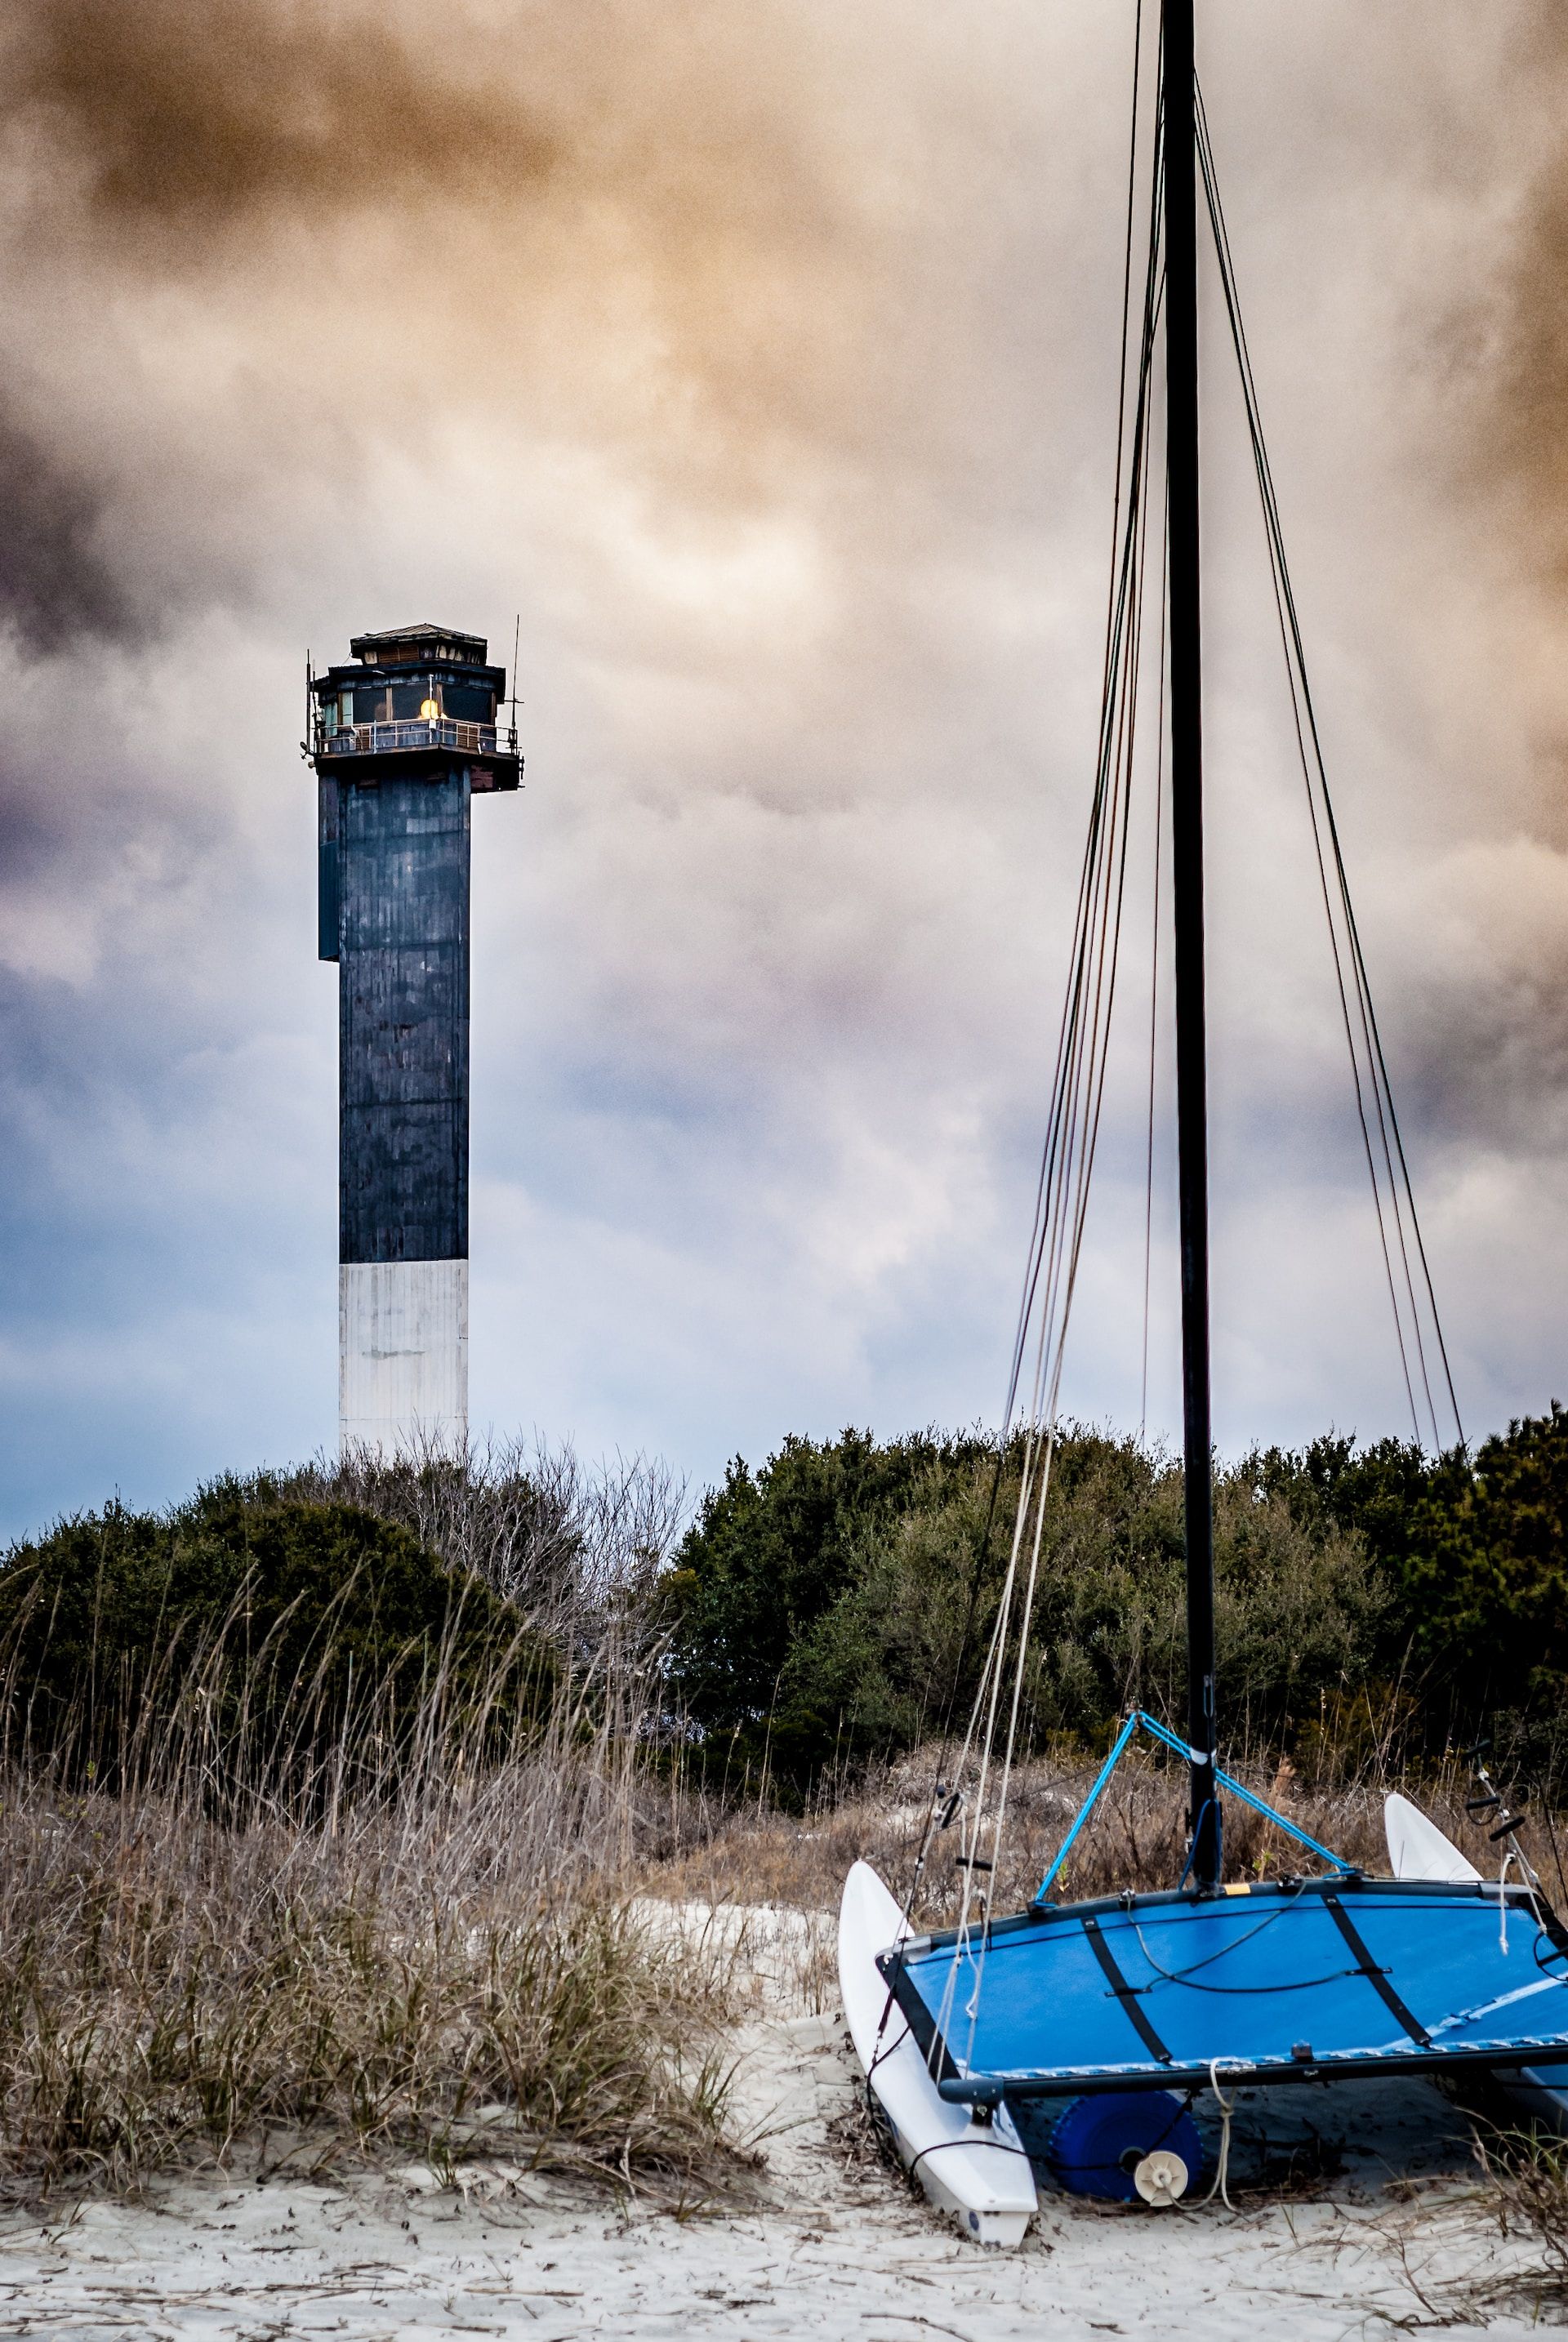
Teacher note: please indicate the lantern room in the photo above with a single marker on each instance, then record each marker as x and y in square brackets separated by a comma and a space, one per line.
[414, 699]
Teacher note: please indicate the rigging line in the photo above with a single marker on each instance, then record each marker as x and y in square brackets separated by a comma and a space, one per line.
[1126, 320]
[1069, 1039]
[986, 1699]
[1081, 1036]
[1087, 1071]
[1115, 655]
[1357, 1082]
[1115, 772]
[1069, 1031]
[1381, 1111]
[982, 1554]
[1107, 955]
[1377, 1065]
[1091, 1070]
[1381, 1075]
[1109, 946]
[1105, 795]
[1182, 1975]
[1083, 1089]
[1078, 1082]
[1287, 618]
[1069, 1007]
[1075, 1206]
[1273, 533]
[1083, 1000]
[1114, 954]
[1062, 1135]
[1384, 1104]
[1032, 1479]
[1292, 1984]
[1399, 1144]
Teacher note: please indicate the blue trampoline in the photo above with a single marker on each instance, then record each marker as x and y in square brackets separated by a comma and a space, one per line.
[1294, 1980]
[1297, 1980]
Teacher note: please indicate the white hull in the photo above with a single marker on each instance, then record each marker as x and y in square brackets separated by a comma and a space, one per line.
[1417, 1848]
[977, 2172]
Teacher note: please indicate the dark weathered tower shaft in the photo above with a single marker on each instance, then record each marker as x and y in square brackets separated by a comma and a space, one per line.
[402, 1019]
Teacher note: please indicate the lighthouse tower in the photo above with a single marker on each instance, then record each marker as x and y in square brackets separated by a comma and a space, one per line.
[402, 740]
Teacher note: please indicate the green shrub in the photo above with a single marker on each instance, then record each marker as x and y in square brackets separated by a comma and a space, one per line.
[269, 1626]
[771, 1553]
[1484, 1571]
[835, 1606]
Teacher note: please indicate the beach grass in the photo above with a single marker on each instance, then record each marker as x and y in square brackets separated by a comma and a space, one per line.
[448, 1967]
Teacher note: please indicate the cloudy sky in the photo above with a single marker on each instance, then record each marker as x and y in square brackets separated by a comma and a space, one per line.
[763, 358]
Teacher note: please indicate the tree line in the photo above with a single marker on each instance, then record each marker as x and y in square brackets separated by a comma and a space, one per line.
[832, 1605]
[827, 1609]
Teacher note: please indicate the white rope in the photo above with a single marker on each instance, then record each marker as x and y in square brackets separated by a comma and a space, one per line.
[1227, 2106]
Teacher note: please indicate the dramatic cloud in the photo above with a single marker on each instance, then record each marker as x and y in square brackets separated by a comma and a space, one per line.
[1518, 345]
[55, 580]
[763, 358]
[181, 120]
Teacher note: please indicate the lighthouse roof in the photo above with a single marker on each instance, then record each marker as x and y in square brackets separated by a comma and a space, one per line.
[415, 644]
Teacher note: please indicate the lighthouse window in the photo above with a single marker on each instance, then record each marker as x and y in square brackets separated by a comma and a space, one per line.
[469, 703]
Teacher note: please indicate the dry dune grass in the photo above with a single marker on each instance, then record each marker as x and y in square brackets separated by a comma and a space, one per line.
[758, 1855]
[460, 1960]
[350, 1940]
[432, 1973]
[302, 1893]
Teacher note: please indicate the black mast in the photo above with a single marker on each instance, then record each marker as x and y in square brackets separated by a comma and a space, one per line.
[1180, 152]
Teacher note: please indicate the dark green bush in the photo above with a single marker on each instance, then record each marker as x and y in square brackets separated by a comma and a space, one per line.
[836, 1605]
[772, 1552]
[273, 1627]
[1484, 1571]
[832, 1605]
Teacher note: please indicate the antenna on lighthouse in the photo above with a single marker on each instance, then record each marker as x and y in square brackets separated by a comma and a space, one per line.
[516, 643]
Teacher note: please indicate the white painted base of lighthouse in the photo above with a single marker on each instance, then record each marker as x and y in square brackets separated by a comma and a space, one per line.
[403, 1354]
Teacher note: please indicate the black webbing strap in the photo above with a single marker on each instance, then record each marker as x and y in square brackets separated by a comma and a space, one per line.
[1126, 1993]
[1377, 1978]
[903, 1989]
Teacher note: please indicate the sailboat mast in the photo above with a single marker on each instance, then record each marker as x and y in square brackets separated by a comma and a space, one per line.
[1180, 153]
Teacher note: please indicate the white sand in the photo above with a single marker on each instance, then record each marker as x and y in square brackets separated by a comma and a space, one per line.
[836, 2247]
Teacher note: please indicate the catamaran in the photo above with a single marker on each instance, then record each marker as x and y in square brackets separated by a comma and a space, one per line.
[1087, 2030]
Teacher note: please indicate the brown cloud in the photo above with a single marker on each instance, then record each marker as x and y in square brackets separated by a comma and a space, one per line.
[1520, 356]
[180, 116]
[622, 228]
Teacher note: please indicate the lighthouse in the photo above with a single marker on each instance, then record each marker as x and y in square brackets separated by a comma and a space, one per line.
[403, 739]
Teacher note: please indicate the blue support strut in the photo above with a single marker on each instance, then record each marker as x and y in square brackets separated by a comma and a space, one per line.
[1222, 1781]
[1089, 1803]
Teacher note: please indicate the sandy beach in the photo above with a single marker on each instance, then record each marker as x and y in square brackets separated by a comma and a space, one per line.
[834, 2243]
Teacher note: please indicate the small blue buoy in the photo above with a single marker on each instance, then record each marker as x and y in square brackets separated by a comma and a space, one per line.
[1095, 2145]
